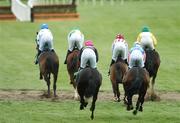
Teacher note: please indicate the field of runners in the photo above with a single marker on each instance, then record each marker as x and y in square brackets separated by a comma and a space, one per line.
[21, 91]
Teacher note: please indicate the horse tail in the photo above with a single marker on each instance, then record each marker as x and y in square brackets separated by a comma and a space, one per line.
[90, 90]
[49, 64]
[118, 73]
[136, 83]
[74, 62]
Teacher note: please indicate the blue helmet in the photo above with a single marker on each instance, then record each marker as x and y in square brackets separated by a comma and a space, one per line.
[44, 26]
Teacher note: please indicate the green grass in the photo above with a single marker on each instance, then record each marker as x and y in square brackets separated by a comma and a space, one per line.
[68, 112]
[101, 24]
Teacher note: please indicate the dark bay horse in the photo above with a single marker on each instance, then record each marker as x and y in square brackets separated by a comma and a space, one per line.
[117, 72]
[136, 81]
[72, 67]
[88, 83]
[152, 65]
[49, 64]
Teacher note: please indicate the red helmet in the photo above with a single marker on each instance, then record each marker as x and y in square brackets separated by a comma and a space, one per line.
[119, 36]
[88, 43]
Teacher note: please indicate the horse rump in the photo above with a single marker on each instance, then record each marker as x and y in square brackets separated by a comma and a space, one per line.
[49, 64]
[136, 81]
[88, 83]
[152, 62]
[117, 71]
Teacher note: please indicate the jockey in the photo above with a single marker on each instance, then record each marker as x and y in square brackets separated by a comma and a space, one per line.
[88, 54]
[75, 39]
[119, 47]
[44, 37]
[147, 39]
[137, 56]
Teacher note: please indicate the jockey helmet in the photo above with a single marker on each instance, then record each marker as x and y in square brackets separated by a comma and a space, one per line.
[44, 26]
[88, 43]
[119, 36]
[145, 29]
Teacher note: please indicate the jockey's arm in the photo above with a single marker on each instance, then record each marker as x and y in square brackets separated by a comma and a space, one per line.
[80, 53]
[97, 56]
[139, 38]
[154, 39]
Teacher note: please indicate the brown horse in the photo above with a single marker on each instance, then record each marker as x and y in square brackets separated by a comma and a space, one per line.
[88, 83]
[72, 67]
[136, 81]
[152, 65]
[49, 64]
[117, 72]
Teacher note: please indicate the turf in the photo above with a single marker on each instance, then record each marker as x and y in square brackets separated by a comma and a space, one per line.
[99, 23]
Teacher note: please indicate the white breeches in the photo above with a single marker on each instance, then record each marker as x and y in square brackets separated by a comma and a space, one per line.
[77, 39]
[46, 38]
[136, 58]
[147, 42]
[120, 48]
[88, 55]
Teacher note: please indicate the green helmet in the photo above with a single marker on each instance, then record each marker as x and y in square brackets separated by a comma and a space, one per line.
[145, 29]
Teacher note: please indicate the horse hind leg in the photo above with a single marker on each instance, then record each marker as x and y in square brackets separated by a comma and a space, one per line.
[40, 76]
[118, 92]
[142, 101]
[129, 102]
[153, 95]
[93, 104]
[114, 86]
[47, 79]
[137, 105]
[54, 85]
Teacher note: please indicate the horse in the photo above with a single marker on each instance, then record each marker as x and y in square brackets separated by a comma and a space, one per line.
[72, 67]
[88, 83]
[117, 72]
[136, 81]
[49, 64]
[152, 64]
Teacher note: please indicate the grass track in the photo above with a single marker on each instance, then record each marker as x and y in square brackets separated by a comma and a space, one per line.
[101, 24]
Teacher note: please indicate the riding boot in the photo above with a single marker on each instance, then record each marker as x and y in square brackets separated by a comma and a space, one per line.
[68, 52]
[36, 61]
[112, 62]
[52, 50]
[126, 62]
[76, 73]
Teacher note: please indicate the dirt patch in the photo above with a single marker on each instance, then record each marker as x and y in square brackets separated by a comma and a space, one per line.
[28, 95]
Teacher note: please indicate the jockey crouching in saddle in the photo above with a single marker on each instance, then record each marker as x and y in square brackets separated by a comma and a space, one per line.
[44, 37]
[147, 39]
[75, 40]
[119, 47]
[137, 56]
[88, 56]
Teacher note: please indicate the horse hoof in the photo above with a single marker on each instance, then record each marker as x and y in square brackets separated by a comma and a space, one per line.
[141, 109]
[135, 112]
[40, 77]
[81, 107]
[85, 104]
[155, 97]
[116, 99]
[92, 117]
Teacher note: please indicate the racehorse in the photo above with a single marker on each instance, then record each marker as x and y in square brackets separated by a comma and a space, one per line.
[49, 64]
[88, 83]
[136, 81]
[152, 65]
[72, 67]
[117, 72]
